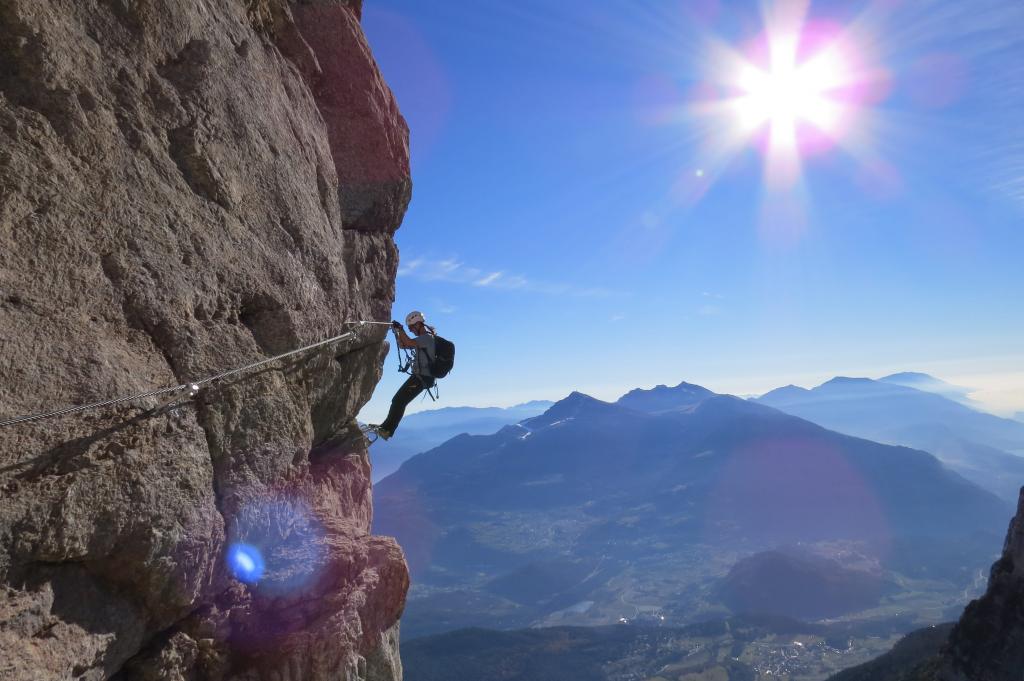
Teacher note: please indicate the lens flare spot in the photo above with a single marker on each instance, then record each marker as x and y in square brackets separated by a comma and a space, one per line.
[246, 563]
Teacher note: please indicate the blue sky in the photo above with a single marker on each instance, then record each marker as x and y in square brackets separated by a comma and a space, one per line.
[570, 227]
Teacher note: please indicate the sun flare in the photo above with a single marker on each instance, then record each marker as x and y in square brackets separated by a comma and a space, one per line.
[797, 90]
[788, 94]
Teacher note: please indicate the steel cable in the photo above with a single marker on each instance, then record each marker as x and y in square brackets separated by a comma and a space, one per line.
[191, 386]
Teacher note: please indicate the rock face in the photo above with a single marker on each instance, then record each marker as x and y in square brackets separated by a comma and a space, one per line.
[188, 186]
[987, 644]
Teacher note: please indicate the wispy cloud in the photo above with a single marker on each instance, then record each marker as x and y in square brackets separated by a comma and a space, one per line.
[442, 306]
[407, 268]
[984, 39]
[488, 280]
[712, 306]
[453, 270]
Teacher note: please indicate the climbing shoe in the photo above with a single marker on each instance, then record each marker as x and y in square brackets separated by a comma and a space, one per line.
[382, 433]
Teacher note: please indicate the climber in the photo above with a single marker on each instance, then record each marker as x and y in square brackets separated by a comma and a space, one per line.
[421, 378]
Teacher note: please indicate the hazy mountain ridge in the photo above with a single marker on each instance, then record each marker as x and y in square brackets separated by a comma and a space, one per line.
[930, 384]
[975, 444]
[895, 406]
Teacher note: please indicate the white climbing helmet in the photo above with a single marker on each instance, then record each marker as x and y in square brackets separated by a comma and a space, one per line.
[414, 317]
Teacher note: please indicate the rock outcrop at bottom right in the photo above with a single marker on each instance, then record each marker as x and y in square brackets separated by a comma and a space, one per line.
[987, 643]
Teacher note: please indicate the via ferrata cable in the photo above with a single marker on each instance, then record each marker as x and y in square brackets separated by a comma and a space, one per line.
[192, 386]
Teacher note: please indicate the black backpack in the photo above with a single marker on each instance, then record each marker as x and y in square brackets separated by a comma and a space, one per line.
[444, 357]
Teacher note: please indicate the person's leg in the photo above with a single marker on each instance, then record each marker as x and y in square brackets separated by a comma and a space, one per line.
[406, 394]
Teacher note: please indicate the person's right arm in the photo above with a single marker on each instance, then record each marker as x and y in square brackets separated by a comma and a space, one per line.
[403, 338]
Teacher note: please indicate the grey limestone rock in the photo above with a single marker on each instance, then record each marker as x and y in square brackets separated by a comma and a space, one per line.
[188, 186]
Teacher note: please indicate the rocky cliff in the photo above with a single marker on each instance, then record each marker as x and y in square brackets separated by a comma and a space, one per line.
[187, 186]
[987, 644]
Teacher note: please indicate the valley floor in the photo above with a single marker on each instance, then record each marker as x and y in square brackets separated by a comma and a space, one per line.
[738, 649]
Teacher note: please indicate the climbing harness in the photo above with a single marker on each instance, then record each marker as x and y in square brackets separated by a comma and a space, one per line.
[405, 356]
[191, 387]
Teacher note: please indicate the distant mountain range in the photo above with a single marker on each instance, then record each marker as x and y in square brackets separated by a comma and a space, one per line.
[427, 429]
[979, 446]
[640, 507]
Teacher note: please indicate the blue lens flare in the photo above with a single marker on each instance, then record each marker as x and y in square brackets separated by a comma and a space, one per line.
[246, 563]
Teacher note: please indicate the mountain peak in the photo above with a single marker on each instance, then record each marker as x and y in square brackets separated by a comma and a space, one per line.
[930, 384]
[692, 387]
[847, 380]
[575, 400]
[908, 376]
[662, 398]
[575, 404]
[783, 393]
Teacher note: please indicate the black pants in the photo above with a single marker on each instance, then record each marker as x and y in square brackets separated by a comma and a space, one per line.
[406, 394]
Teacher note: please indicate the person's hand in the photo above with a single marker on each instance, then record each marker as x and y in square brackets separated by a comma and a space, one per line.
[396, 325]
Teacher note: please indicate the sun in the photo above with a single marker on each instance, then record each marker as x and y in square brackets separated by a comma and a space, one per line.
[799, 89]
[788, 93]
